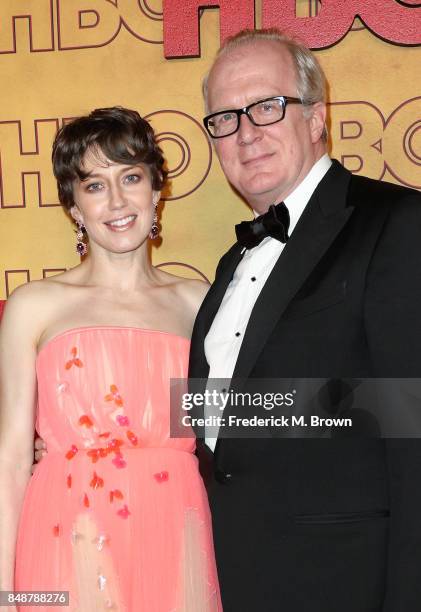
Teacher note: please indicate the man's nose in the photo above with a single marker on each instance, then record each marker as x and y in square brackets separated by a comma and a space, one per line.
[248, 132]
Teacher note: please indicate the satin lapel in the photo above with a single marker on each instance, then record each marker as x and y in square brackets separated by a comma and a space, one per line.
[199, 367]
[322, 220]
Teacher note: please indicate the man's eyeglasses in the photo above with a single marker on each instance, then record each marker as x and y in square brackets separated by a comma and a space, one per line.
[263, 112]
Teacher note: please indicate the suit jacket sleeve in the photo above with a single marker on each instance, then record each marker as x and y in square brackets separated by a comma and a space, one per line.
[392, 318]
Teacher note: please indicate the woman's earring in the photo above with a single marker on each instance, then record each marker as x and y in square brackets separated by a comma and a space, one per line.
[155, 227]
[81, 247]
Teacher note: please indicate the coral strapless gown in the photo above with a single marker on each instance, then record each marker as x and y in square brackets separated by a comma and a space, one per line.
[116, 513]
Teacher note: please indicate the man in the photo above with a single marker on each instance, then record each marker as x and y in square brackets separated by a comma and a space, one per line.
[300, 525]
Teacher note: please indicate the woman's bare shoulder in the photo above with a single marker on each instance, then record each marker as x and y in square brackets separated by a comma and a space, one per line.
[30, 306]
[191, 289]
[195, 288]
[37, 291]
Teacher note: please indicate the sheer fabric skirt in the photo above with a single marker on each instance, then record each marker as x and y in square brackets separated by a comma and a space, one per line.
[136, 539]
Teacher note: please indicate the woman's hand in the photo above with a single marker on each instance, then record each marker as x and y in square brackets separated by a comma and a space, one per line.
[40, 451]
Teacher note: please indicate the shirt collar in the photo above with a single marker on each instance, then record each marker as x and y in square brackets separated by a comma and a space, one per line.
[299, 198]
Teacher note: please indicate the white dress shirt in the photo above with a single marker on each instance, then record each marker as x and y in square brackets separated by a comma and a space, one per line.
[225, 336]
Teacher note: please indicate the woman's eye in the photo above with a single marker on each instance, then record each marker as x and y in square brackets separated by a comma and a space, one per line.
[132, 178]
[93, 187]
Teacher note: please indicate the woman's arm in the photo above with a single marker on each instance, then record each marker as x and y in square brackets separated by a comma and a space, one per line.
[17, 412]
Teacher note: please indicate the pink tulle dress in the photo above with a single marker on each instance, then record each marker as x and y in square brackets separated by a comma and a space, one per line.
[116, 513]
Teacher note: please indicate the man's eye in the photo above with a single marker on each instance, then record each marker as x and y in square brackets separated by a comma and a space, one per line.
[222, 119]
[226, 117]
[267, 107]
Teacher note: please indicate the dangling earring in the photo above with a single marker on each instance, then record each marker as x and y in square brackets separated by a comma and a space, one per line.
[81, 247]
[155, 227]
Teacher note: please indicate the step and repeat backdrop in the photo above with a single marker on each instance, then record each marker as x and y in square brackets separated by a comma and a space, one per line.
[63, 58]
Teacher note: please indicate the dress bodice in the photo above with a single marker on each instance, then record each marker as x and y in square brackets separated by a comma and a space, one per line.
[105, 386]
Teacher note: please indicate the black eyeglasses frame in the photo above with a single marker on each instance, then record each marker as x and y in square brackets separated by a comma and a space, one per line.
[246, 111]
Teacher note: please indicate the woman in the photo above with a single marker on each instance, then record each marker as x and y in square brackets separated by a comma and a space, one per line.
[116, 513]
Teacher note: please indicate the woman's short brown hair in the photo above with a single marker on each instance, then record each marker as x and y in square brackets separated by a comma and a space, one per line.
[117, 134]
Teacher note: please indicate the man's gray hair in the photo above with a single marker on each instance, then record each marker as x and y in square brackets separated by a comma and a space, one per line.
[311, 81]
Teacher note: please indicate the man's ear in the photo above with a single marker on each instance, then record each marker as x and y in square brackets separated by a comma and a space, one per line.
[76, 215]
[317, 121]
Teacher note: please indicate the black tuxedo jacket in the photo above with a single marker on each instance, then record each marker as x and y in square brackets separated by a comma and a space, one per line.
[325, 525]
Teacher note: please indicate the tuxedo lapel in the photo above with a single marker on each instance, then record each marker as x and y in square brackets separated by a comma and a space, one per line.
[322, 220]
[199, 367]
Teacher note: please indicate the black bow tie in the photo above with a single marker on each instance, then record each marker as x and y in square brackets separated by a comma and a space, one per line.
[275, 223]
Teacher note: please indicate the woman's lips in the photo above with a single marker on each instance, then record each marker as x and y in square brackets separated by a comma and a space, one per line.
[122, 224]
